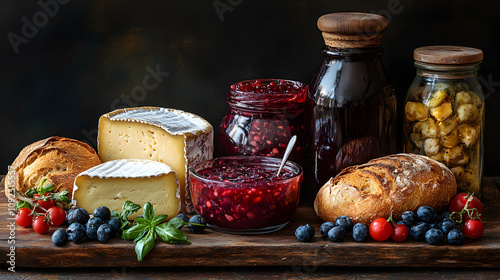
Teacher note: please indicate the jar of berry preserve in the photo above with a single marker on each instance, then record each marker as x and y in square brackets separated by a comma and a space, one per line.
[263, 117]
[444, 111]
[354, 113]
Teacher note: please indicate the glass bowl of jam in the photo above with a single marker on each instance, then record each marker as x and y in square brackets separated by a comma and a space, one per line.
[243, 195]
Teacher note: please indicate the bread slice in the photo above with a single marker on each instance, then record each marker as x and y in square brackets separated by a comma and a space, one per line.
[391, 184]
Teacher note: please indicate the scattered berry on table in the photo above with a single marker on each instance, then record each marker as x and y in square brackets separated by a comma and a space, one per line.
[102, 212]
[325, 228]
[79, 215]
[184, 218]
[104, 233]
[455, 237]
[436, 225]
[447, 225]
[76, 232]
[59, 237]
[360, 232]
[443, 215]
[399, 233]
[197, 219]
[345, 222]
[426, 214]
[417, 232]
[409, 218]
[91, 228]
[434, 236]
[336, 234]
[115, 225]
[305, 233]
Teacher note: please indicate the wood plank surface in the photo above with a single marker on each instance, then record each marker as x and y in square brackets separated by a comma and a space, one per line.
[215, 249]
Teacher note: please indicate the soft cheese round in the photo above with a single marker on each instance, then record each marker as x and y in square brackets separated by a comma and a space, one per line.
[128, 168]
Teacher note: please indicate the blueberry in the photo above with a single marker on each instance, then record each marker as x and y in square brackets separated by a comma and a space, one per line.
[115, 225]
[455, 237]
[91, 228]
[184, 218]
[104, 233]
[345, 222]
[325, 228]
[435, 225]
[79, 215]
[417, 232]
[447, 225]
[434, 236]
[305, 233]
[102, 212]
[409, 218]
[426, 214]
[360, 232]
[442, 215]
[197, 219]
[76, 232]
[400, 223]
[59, 237]
[336, 234]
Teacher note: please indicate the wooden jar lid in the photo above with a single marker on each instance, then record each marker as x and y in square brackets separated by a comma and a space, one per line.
[352, 30]
[451, 55]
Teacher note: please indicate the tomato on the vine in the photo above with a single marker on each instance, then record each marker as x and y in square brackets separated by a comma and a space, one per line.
[40, 225]
[24, 218]
[458, 203]
[399, 233]
[380, 229]
[56, 215]
[44, 204]
[473, 229]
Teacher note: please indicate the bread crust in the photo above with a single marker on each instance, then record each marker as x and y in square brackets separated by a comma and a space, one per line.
[57, 159]
[391, 184]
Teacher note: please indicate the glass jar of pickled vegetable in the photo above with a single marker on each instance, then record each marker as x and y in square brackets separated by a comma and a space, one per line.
[354, 113]
[444, 111]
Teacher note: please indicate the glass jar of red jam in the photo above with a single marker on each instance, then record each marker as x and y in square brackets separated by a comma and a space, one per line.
[354, 113]
[263, 116]
[243, 195]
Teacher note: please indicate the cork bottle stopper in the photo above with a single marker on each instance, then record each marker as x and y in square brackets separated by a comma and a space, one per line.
[352, 30]
[451, 55]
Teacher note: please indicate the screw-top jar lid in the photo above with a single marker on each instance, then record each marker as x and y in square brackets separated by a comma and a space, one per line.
[451, 55]
[352, 30]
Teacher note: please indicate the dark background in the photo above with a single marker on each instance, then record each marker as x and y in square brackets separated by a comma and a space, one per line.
[90, 57]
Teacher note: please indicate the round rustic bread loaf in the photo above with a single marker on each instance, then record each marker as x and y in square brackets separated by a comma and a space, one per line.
[391, 184]
[57, 159]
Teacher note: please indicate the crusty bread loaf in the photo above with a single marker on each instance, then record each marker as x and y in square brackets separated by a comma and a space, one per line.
[394, 183]
[57, 159]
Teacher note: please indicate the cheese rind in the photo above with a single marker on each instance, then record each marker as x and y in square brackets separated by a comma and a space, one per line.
[114, 182]
[174, 137]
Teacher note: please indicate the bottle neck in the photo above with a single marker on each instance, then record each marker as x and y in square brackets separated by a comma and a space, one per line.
[353, 53]
[446, 71]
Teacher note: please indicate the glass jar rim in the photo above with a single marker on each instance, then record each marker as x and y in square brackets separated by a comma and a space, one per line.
[470, 67]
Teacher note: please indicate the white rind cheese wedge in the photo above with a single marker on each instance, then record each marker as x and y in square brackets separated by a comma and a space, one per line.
[174, 137]
[114, 182]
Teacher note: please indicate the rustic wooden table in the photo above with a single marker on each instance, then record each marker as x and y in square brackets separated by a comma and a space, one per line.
[215, 255]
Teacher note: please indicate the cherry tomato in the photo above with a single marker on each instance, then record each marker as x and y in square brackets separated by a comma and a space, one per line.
[23, 217]
[458, 202]
[399, 233]
[40, 225]
[56, 215]
[380, 229]
[45, 204]
[473, 229]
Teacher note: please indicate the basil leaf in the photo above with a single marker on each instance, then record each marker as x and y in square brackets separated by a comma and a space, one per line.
[45, 189]
[145, 245]
[62, 196]
[133, 232]
[22, 204]
[30, 192]
[142, 233]
[158, 219]
[128, 209]
[170, 234]
[176, 222]
[115, 214]
[148, 211]
[142, 221]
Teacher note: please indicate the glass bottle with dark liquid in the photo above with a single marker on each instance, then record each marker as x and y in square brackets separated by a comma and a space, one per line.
[354, 113]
